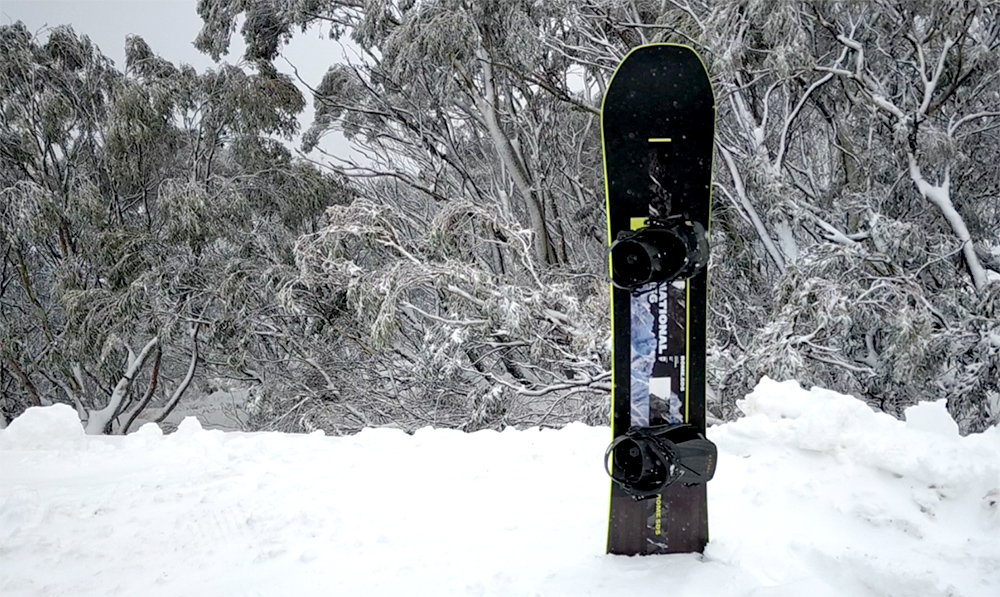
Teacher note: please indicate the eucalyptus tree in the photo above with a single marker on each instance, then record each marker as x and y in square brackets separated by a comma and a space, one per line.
[471, 94]
[56, 99]
[923, 83]
[146, 217]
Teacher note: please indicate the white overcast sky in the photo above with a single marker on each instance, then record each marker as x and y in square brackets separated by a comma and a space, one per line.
[169, 27]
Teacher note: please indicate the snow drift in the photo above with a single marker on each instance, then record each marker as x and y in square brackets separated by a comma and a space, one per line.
[815, 495]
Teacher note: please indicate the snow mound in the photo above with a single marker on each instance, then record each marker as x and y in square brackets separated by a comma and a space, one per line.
[854, 500]
[926, 448]
[41, 427]
[931, 417]
[816, 494]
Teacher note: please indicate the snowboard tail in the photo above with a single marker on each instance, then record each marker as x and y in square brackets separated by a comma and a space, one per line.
[657, 129]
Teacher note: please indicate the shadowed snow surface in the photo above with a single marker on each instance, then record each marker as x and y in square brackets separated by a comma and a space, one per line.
[815, 495]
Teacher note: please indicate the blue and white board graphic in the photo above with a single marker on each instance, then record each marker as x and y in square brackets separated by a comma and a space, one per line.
[644, 348]
[657, 382]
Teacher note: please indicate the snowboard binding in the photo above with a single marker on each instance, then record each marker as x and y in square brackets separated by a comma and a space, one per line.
[665, 250]
[646, 460]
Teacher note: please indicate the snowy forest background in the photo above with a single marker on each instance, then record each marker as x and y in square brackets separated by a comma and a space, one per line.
[162, 237]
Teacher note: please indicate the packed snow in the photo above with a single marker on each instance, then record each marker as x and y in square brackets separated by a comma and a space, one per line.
[815, 495]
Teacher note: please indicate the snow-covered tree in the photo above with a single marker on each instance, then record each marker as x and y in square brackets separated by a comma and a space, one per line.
[134, 206]
[846, 143]
[854, 239]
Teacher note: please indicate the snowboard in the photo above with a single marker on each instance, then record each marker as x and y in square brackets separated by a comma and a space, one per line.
[657, 130]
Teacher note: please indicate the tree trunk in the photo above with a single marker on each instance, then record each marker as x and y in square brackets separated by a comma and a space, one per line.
[518, 172]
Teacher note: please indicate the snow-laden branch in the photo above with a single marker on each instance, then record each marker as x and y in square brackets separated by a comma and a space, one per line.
[954, 124]
[443, 320]
[739, 207]
[832, 233]
[838, 363]
[867, 85]
[594, 382]
[783, 139]
[131, 415]
[748, 208]
[931, 82]
[686, 7]
[940, 196]
[99, 419]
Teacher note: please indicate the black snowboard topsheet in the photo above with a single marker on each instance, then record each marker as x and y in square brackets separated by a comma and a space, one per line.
[657, 128]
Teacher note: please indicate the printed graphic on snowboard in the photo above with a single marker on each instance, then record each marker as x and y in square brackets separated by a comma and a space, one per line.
[658, 366]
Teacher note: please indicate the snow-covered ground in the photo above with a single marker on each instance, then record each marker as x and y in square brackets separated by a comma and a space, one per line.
[815, 495]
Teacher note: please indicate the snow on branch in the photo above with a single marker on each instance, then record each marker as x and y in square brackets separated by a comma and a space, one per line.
[954, 124]
[744, 201]
[940, 196]
[783, 143]
[931, 82]
[99, 419]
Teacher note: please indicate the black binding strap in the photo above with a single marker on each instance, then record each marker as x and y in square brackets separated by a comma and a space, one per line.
[646, 460]
[673, 248]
